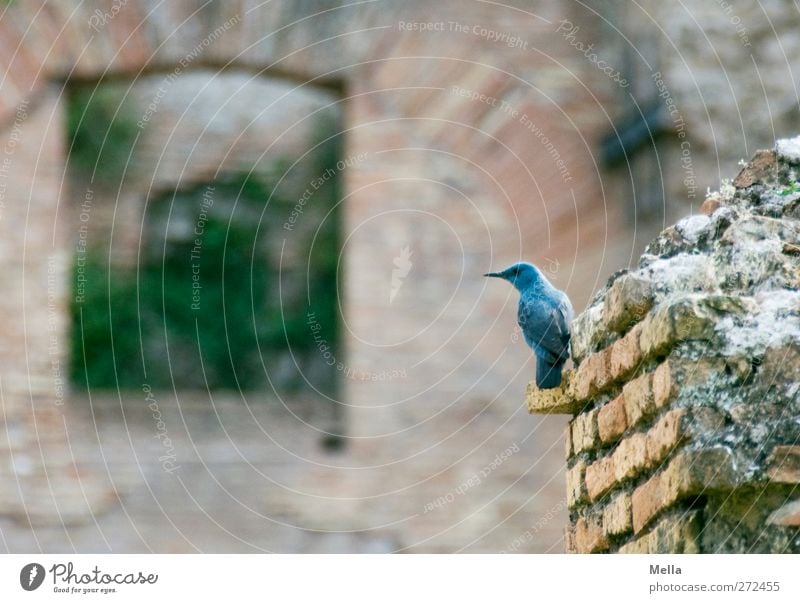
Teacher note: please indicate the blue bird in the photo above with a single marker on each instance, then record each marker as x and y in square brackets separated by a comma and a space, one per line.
[545, 317]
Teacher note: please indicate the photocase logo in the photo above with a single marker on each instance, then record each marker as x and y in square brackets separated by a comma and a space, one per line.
[31, 576]
[403, 266]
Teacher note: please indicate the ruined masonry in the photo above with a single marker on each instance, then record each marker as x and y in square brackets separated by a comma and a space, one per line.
[685, 436]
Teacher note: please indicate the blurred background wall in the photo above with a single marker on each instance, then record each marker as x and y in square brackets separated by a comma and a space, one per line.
[242, 245]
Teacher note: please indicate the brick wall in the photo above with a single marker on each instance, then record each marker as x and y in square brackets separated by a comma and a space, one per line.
[450, 173]
[684, 436]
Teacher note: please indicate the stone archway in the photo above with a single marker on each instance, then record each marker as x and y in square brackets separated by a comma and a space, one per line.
[415, 147]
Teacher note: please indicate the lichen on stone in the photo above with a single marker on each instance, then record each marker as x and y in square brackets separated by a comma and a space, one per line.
[711, 315]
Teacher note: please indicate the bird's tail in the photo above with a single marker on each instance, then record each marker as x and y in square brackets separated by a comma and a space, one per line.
[548, 371]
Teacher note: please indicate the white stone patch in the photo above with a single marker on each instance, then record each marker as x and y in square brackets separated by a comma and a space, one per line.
[693, 227]
[727, 190]
[681, 273]
[775, 323]
[789, 148]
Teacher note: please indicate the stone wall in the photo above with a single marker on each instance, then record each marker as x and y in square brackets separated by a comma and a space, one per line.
[441, 162]
[684, 435]
[35, 466]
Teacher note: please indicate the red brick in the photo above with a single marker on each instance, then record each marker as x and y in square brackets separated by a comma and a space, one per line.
[710, 205]
[647, 501]
[668, 432]
[630, 457]
[592, 376]
[788, 515]
[762, 167]
[688, 474]
[626, 354]
[783, 465]
[599, 477]
[663, 390]
[638, 396]
[611, 420]
[589, 536]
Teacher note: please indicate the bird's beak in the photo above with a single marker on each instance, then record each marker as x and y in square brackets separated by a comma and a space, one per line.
[495, 274]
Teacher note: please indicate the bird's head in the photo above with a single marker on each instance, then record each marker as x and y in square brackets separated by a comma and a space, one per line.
[522, 275]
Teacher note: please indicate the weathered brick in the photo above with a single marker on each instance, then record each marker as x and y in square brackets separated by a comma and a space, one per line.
[710, 205]
[638, 397]
[676, 534]
[576, 484]
[587, 332]
[639, 452]
[599, 477]
[630, 456]
[592, 376]
[689, 473]
[603, 376]
[704, 419]
[663, 386]
[763, 167]
[589, 536]
[781, 363]
[569, 539]
[627, 302]
[668, 432]
[675, 427]
[783, 465]
[638, 546]
[679, 533]
[626, 354]
[689, 318]
[673, 374]
[584, 431]
[617, 515]
[582, 385]
[555, 401]
[647, 500]
[611, 420]
[656, 336]
[788, 515]
[567, 441]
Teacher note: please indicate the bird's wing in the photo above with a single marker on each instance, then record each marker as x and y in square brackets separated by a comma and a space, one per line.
[546, 326]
